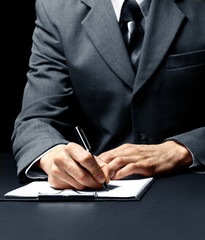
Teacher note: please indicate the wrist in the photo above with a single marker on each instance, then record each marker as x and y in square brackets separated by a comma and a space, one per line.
[182, 153]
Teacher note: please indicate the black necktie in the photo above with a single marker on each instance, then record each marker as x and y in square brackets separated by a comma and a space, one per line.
[131, 27]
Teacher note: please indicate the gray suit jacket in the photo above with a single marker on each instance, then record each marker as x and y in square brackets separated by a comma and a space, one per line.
[81, 75]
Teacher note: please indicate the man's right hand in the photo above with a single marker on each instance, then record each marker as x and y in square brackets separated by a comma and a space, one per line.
[71, 166]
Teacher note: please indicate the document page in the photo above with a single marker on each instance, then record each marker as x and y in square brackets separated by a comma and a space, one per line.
[125, 188]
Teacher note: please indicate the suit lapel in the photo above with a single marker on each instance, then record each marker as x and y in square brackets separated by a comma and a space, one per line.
[102, 28]
[164, 20]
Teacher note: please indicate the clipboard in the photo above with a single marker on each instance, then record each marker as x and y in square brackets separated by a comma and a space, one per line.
[127, 189]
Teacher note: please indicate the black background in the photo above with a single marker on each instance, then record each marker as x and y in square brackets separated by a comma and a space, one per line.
[17, 24]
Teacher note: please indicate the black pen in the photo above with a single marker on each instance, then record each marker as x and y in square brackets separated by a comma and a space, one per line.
[84, 143]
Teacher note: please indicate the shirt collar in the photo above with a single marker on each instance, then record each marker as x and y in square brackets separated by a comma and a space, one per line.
[143, 4]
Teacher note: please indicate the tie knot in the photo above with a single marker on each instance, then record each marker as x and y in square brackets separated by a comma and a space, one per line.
[130, 12]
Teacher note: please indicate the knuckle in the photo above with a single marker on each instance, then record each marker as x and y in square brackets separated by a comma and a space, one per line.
[119, 160]
[70, 146]
[126, 145]
[132, 167]
[108, 156]
[149, 168]
[59, 158]
[86, 159]
[54, 171]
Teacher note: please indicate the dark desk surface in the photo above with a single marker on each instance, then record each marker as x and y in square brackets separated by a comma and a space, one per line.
[172, 209]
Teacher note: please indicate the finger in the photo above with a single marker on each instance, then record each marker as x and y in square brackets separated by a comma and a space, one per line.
[59, 184]
[125, 171]
[145, 168]
[60, 179]
[123, 151]
[74, 172]
[108, 156]
[125, 166]
[89, 162]
[82, 176]
[107, 170]
[96, 171]
[120, 162]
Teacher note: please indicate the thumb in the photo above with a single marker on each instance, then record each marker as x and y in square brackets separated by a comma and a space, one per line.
[108, 170]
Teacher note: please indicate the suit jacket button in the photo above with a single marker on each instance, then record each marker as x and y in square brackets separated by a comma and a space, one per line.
[143, 138]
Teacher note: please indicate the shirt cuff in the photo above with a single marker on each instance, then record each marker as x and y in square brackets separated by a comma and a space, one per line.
[33, 172]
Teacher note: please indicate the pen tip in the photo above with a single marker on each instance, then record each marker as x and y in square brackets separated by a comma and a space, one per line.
[105, 186]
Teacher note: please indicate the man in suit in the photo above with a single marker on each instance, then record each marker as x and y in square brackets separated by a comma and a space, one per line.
[148, 122]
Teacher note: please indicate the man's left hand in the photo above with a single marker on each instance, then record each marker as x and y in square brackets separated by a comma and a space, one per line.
[147, 160]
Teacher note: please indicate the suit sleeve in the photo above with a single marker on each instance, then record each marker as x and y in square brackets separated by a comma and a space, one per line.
[47, 101]
[194, 141]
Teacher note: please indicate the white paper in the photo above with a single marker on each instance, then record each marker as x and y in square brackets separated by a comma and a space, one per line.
[32, 190]
[125, 188]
